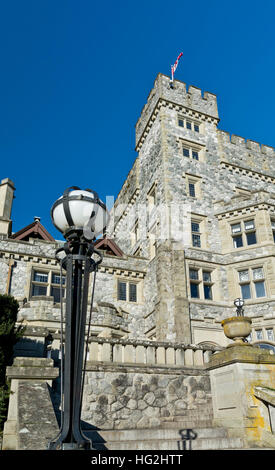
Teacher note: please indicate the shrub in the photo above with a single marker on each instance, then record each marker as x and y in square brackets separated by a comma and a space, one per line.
[9, 335]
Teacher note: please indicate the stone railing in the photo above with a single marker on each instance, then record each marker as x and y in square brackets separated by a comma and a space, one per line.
[153, 353]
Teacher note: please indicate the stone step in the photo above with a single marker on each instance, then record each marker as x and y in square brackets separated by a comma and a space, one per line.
[153, 434]
[212, 438]
[187, 424]
[219, 443]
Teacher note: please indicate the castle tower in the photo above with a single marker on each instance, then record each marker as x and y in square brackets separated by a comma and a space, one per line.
[184, 206]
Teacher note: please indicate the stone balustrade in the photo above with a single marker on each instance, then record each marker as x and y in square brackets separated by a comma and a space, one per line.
[148, 353]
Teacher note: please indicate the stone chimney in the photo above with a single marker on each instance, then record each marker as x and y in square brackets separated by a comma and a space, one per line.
[6, 198]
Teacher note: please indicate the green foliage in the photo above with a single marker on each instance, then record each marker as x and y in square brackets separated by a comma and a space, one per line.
[9, 335]
[4, 401]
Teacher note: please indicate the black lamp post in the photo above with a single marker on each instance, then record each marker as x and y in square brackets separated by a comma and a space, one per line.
[81, 216]
[239, 303]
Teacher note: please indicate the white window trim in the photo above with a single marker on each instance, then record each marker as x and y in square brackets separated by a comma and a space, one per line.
[49, 284]
[128, 282]
[252, 282]
[192, 121]
[200, 282]
[243, 232]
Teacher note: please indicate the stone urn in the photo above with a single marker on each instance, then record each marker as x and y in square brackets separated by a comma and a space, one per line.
[237, 328]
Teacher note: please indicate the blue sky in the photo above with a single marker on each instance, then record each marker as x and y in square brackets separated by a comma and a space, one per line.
[76, 74]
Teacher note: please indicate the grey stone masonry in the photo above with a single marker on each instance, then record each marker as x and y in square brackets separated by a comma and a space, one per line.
[125, 398]
[203, 181]
[179, 95]
[31, 422]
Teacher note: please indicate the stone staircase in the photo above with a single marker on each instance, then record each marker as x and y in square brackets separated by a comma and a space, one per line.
[172, 436]
[193, 430]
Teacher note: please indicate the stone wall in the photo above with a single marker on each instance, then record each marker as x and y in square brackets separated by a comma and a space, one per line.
[136, 397]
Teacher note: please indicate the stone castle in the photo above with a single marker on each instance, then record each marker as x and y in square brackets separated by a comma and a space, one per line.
[192, 228]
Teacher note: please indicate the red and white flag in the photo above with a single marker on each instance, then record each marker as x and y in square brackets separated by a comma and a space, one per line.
[173, 67]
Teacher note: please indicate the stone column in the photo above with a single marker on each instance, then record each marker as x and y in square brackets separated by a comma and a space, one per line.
[172, 310]
[31, 422]
[234, 374]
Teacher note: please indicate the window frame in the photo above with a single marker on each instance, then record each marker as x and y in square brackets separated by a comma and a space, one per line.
[189, 124]
[49, 285]
[189, 149]
[196, 233]
[269, 329]
[196, 181]
[200, 283]
[207, 284]
[243, 234]
[252, 282]
[128, 285]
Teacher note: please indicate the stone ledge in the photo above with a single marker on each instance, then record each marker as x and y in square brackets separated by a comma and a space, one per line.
[155, 344]
[30, 368]
[145, 369]
[245, 353]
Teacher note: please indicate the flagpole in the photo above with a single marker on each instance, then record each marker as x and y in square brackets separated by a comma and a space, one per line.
[173, 68]
[172, 77]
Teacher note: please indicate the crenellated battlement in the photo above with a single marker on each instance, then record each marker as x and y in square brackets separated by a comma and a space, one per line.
[193, 98]
[249, 144]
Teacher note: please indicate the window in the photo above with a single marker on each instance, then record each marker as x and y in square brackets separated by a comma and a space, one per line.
[259, 334]
[185, 152]
[121, 290]
[190, 152]
[270, 334]
[192, 191]
[200, 283]
[252, 283]
[243, 232]
[127, 291]
[250, 232]
[207, 285]
[47, 284]
[195, 154]
[132, 292]
[189, 124]
[194, 283]
[193, 185]
[196, 235]
[237, 236]
[39, 284]
[55, 287]
[273, 228]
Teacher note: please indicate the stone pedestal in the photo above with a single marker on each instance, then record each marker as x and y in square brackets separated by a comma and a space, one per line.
[31, 419]
[234, 374]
